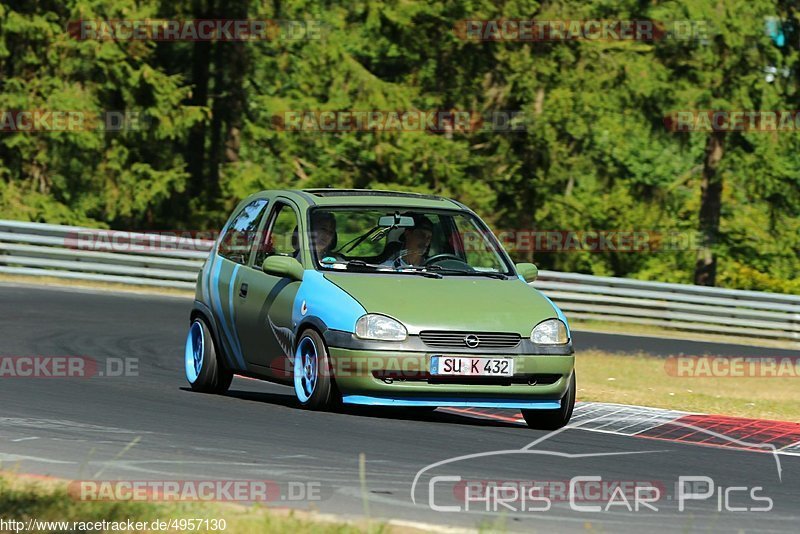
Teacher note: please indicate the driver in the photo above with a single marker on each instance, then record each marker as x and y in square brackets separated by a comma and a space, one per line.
[417, 241]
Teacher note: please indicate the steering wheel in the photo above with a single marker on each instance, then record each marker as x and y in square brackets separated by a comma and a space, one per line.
[448, 257]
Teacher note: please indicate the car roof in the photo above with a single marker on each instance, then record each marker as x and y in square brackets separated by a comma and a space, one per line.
[331, 197]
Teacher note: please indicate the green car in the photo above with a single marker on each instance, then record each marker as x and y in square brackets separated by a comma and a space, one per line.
[377, 298]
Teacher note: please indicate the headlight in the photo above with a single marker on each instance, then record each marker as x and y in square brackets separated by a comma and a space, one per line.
[380, 327]
[550, 332]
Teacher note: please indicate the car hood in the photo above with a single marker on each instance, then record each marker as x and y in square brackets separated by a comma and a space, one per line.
[449, 303]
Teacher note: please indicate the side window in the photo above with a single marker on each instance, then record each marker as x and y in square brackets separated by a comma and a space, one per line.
[282, 238]
[238, 240]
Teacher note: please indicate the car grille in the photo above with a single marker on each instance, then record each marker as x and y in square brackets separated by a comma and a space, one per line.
[486, 340]
[396, 376]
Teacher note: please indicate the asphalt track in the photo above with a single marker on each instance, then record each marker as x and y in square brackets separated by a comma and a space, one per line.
[151, 427]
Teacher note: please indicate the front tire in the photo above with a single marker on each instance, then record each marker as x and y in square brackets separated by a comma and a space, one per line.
[313, 386]
[204, 372]
[553, 419]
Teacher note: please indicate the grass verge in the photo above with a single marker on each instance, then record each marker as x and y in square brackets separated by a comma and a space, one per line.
[23, 498]
[643, 380]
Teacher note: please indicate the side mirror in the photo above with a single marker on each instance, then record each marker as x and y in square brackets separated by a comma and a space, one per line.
[527, 271]
[283, 266]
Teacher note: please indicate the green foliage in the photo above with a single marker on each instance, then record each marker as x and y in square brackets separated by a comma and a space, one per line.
[53, 505]
[595, 155]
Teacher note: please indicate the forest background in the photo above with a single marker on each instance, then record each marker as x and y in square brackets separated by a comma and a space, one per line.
[593, 147]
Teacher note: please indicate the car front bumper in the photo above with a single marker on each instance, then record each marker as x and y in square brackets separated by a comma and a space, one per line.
[402, 378]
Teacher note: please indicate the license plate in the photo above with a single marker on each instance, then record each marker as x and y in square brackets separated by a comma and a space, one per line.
[459, 366]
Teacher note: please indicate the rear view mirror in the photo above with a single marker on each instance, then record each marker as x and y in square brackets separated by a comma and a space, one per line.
[403, 221]
[527, 271]
[283, 266]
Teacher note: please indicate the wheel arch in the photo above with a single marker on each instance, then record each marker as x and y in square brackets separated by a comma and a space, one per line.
[201, 310]
[312, 322]
[318, 325]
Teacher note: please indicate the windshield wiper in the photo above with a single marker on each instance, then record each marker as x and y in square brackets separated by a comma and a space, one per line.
[387, 269]
[489, 274]
[422, 271]
[431, 271]
[358, 264]
[459, 272]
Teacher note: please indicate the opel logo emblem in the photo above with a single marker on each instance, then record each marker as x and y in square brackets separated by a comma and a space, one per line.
[472, 340]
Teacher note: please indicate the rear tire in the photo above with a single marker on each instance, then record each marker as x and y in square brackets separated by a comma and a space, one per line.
[204, 370]
[313, 384]
[553, 419]
[224, 379]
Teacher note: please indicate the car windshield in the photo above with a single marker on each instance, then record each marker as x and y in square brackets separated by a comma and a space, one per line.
[428, 242]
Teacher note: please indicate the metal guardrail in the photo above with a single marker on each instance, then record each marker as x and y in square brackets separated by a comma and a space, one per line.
[36, 249]
[680, 306]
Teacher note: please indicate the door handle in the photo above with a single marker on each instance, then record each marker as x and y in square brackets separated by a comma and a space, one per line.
[243, 290]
